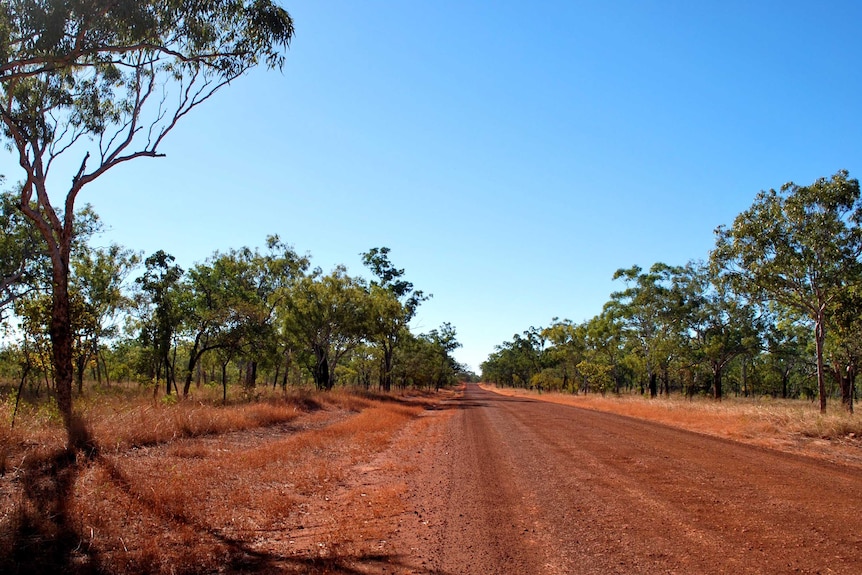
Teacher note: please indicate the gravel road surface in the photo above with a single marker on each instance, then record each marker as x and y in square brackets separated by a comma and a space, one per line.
[515, 485]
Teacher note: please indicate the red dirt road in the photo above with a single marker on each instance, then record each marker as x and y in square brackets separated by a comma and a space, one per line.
[514, 485]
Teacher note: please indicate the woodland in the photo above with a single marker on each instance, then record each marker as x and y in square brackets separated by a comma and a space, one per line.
[95, 84]
[775, 310]
[238, 415]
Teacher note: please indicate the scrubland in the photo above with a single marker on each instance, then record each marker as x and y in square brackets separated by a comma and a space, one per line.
[302, 482]
[792, 425]
[186, 487]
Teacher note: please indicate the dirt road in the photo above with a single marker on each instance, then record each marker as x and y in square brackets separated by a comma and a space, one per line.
[522, 486]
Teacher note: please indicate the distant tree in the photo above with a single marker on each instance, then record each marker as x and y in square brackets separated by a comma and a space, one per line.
[800, 247]
[395, 302]
[787, 340]
[445, 341]
[109, 81]
[645, 308]
[23, 266]
[160, 286]
[329, 316]
[97, 282]
[604, 342]
[845, 350]
[722, 325]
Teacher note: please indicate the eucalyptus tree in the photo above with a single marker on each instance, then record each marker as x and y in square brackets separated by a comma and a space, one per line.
[604, 344]
[329, 315]
[845, 349]
[722, 325]
[426, 361]
[161, 313]
[395, 302]
[107, 82]
[645, 309]
[445, 342]
[516, 362]
[98, 282]
[786, 344]
[566, 350]
[23, 265]
[257, 283]
[799, 246]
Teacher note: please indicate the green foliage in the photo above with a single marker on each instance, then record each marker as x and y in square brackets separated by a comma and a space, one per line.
[798, 247]
[777, 306]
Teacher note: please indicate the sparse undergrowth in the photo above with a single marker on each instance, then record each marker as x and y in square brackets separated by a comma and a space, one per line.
[733, 418]
[191, 487]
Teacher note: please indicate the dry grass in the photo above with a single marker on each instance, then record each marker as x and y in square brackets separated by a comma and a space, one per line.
[734, 418]
[185, 488]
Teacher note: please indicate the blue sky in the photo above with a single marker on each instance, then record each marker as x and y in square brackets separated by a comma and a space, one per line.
[511, 155]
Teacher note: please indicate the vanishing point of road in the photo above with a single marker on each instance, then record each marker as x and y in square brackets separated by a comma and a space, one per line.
[523, 486]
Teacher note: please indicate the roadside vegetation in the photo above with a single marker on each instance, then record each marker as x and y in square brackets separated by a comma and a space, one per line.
[189, 487]
[763, 420]
[775, 312]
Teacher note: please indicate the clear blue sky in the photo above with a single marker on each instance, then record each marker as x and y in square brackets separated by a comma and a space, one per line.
[511, 155]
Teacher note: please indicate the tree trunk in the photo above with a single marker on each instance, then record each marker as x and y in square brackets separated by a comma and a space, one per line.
[847, 381]
[819, 338]
[224, 382]
[653, 384]
[190, 369]
[320, 372]
[716, 382]
[386, 374]
[251, 374]
[101, 356]
[61, 345]
[81, 365]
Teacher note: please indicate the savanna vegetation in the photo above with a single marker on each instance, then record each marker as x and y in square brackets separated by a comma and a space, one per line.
[774, 311]
[247, 382]
[95, 84]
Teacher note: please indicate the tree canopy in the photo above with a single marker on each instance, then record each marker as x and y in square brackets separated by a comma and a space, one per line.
[107, 81]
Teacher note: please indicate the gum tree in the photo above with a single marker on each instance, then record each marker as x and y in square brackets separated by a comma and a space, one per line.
[799, 247]
[103, 82]
[395, 302]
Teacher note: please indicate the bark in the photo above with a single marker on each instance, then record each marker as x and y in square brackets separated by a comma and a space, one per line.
[78, 437]
[251, 374]
[716, 382]
[386, 373]
[653, 384]
[819, 339]
[190, 369]
[224, 382]
[320, 370]
[277, 373]
[847, 385]
[845, 377]
[81, 365]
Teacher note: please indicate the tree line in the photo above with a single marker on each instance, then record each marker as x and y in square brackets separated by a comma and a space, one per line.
[775, 309]
[247, 316]
[88, 85]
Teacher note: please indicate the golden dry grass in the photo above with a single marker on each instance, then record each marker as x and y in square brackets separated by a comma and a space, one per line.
[184, 488]
[734, 418]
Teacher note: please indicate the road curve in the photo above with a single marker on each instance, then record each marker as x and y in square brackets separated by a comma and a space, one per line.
[524, 486]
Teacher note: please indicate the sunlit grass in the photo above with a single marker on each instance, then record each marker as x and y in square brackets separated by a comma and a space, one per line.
[731, 417]
[186, 486]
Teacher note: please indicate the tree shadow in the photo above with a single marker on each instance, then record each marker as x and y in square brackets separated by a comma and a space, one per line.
[41, 535]
[44, 539]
